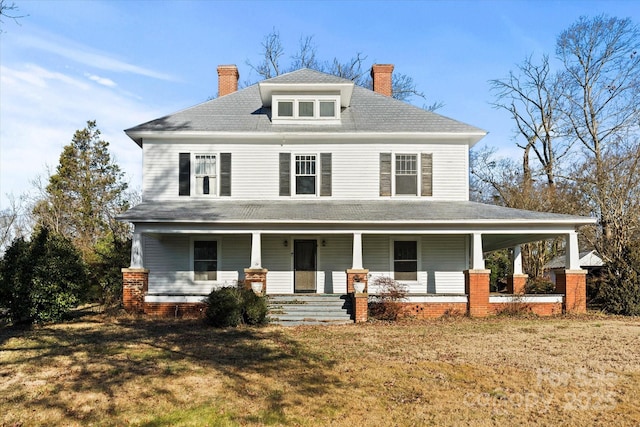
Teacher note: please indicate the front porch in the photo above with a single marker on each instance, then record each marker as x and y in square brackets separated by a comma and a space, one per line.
[449, 278]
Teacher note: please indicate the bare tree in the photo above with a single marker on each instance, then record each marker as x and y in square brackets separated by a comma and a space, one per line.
[355, 68]
[9, 10]
[15, 221]
[533, 98]
[602, 72]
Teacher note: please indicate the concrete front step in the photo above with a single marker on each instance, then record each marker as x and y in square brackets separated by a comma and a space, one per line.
[311, 309]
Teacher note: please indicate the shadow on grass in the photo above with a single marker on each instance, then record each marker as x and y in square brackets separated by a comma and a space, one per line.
[105, 356]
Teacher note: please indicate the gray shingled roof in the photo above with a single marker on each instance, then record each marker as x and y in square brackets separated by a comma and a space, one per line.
[242, 111]
[338, 211]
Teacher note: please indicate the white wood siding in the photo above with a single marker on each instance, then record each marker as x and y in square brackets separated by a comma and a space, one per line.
[254, 167]
[278, 260]
[445, 259]
[333, 260]
[168, 258]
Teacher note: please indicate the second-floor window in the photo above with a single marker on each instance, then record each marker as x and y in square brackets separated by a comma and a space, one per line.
[306, 174]
[407, 174]
[205, 174]
[306, 109]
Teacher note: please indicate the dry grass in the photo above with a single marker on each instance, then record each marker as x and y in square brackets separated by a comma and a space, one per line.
[501, 371]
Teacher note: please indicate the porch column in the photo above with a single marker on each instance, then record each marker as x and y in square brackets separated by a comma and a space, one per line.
[516, 283]
[357, 273]
[356, 262]
[477, 259]
[135, 278]
[256, 250]
[572, 282]
[256, 276]
[136, 251]
[476, 281]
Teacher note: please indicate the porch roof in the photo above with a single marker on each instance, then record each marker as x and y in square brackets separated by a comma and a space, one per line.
[387, 211]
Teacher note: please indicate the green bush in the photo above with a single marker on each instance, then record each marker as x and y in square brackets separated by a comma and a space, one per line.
[539, 285]
[620, 289]
[41, 280]
[232, 306]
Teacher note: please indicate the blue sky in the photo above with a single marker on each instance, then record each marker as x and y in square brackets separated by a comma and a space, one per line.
[125, 62]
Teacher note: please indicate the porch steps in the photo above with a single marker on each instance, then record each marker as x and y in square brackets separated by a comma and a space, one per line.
[310, 309]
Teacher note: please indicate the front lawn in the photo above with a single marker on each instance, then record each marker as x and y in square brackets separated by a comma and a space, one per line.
[100, 370]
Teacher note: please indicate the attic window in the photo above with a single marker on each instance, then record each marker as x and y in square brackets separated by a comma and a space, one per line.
[305, 109]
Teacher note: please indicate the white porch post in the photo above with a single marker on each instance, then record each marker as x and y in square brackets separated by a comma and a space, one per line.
[136, 250]
[517, 260]
[477, 259]
[572, 255]
[356, 263]
[256, 250]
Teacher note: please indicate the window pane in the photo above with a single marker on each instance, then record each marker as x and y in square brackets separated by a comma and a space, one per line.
[407, 184]
[205, 164]
[327, 109]
[405, 264]
[205, 260]
[285, 109]
[305, 109]
[305, 185]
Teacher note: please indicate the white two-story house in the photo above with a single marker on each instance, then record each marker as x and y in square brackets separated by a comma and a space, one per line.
[305, 182]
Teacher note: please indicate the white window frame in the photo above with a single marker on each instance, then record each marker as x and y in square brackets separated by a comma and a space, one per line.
[392, 259]
[418, 173]
[296, 100]
[294, 174]
[214, 189]
[192, 259]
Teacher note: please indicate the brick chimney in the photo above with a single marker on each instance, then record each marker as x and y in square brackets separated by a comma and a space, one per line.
[381, 76]
[227, 79]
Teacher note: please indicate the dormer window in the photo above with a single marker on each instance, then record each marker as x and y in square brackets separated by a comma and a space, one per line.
[292, 109]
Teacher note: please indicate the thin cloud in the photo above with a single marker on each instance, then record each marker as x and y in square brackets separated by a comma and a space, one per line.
[101, 80]
[88, 56]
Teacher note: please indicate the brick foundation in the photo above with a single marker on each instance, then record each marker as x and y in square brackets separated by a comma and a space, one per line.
[517, 283]
[432, 310]
[176, 310]
[135, 283]
[573, 284]
[360, 307]
[476, 283]
[362, 275]
[540, 309]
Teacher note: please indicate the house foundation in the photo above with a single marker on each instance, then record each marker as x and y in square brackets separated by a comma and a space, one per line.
[135, 283]
[573, 284]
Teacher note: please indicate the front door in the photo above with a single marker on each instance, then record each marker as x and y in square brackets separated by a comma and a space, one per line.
[304, 265]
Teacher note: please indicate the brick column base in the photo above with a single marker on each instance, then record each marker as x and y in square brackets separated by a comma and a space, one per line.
[476, 284]
[357, 275]
[360, 307]
[135, 284]
[255, 275]
[573, 284]
[517, 283]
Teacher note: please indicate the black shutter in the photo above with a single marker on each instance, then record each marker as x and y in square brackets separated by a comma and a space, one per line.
[385, 174]
[325, 170]
[285, 174]
[225, 174]
[427, 174]
[184, 174]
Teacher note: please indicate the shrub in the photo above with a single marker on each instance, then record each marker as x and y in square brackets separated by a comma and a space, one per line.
[539, 285]
[620, 289]
[387, 303]
[41, 280]
[232, 306]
